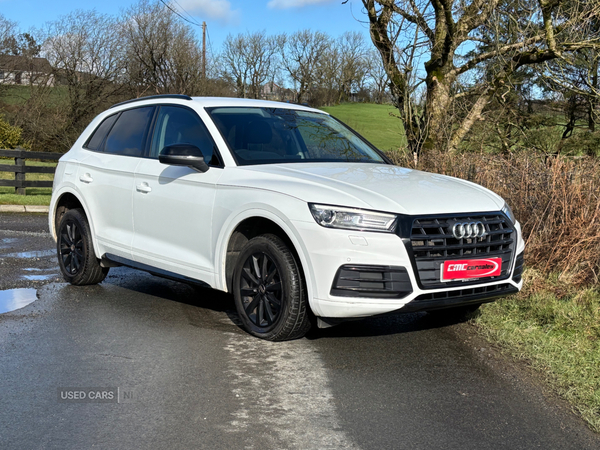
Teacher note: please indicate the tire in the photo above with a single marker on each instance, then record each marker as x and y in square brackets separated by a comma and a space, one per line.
[269, 291]
[76, 258]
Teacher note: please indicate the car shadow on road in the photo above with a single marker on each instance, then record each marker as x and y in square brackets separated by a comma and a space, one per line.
[219, 301]
[186, 293]
[389, 324]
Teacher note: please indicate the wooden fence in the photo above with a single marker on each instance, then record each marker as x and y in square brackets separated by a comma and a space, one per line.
[20, 169]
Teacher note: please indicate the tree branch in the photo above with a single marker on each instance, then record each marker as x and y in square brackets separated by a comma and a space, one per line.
[415, 18]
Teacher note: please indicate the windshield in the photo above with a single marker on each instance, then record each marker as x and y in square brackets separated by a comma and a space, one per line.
[276, 135]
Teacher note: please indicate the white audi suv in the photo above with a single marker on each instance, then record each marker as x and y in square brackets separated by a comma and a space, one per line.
[285, 207]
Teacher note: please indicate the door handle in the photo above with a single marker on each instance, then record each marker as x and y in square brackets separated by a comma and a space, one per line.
[86, 178]
[143, 188]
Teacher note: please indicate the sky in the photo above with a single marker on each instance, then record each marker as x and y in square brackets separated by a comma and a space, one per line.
[222, 17]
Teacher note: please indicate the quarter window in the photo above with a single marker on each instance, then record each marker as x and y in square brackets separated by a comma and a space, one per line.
[175, 125]
[127, 136]
[97, 138]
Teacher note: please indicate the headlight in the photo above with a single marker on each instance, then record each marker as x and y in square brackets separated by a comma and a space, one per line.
[506, 210]
[353, 219]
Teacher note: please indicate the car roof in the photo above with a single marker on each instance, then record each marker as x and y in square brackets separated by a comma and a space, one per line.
[212, 102]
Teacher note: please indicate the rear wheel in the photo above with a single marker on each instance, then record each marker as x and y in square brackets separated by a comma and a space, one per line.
[76, 257]
[269, 290]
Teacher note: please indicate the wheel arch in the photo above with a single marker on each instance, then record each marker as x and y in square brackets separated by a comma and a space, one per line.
[253, 224]
[66, 200]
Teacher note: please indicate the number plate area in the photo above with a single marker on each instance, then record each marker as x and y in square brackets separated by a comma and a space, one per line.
[468, 269]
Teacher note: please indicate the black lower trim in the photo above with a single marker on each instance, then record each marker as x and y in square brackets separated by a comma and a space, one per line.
[518, 272]
[384, 282]
[154, 270]
[461, 297]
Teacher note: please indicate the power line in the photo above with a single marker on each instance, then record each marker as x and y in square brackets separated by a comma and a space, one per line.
[212, 54]
[187, 13]
[178, 14]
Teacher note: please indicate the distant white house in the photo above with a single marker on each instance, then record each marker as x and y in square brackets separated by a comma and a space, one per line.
[272, 91]
[15, 70]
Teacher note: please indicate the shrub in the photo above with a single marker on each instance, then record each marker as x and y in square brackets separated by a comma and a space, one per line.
[10, 137]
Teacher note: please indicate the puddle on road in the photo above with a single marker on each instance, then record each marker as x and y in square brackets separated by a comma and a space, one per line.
[7, 242]
[39, 277]
[13, 299]
[35, 254]
[39, 274]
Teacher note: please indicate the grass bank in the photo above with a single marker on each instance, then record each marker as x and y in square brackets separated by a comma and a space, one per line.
[372, 121]
[557, 335]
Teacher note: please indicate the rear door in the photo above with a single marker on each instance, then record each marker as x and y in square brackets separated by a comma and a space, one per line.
[172, 205]
[105, 177]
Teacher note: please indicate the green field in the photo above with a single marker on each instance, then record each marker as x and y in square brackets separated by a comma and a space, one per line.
[17, 95]
[373, 122]
[35, 196]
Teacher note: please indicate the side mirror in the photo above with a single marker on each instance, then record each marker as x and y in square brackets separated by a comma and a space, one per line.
[183, 155]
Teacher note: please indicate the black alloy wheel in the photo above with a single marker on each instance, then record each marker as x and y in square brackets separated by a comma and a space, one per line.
[269, 291]
[261, 290]
[71, 247]
[76, 258]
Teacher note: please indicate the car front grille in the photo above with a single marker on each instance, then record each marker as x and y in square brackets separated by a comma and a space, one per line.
[432, 242]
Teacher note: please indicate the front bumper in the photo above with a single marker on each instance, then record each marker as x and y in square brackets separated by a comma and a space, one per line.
[328, 251]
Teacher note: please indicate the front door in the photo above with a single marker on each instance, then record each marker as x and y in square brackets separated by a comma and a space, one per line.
[172, 205]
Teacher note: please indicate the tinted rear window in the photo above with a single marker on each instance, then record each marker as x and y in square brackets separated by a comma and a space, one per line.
[97, 137]
[128, 135]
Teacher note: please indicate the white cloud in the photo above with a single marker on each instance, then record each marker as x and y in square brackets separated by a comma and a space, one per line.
[219, 10]
[286, 4]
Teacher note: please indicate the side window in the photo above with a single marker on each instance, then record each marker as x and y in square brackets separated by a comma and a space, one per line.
[97, 137]
[176, 125]
[127, 136]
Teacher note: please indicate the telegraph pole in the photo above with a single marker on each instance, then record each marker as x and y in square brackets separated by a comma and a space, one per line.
[204, 49]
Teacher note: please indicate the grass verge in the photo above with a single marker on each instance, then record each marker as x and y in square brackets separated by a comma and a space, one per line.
[373, 122]
[556, 330]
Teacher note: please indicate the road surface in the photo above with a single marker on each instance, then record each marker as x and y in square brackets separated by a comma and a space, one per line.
[183, 375]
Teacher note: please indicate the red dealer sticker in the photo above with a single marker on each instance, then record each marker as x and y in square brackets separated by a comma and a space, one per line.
[471, 268]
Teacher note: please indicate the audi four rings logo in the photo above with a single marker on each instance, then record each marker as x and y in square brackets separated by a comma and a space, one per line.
[468, 230]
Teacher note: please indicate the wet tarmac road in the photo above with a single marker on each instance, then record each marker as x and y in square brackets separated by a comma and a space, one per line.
[186, 376]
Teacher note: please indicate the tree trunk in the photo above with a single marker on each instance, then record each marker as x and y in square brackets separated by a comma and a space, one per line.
[436, 112]
[593, 113]
[468, 122]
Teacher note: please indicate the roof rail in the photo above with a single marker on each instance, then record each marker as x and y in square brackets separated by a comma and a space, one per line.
[151, 97]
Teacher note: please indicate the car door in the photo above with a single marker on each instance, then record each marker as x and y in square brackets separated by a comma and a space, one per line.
[172, 205]
[105, 177]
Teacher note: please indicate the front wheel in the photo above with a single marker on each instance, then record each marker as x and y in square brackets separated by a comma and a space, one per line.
[269, 292]
[76, 257]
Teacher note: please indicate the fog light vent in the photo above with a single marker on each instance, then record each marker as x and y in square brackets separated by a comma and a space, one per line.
[371, 281]
[518, 272]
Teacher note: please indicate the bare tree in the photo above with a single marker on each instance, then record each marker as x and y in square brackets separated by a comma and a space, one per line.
[85, 49]
[377, 76]
[236, 66]
[444, 32]
[301, 53]
[8, 31]
[249, 60]
[353, 65]
[162, 52]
